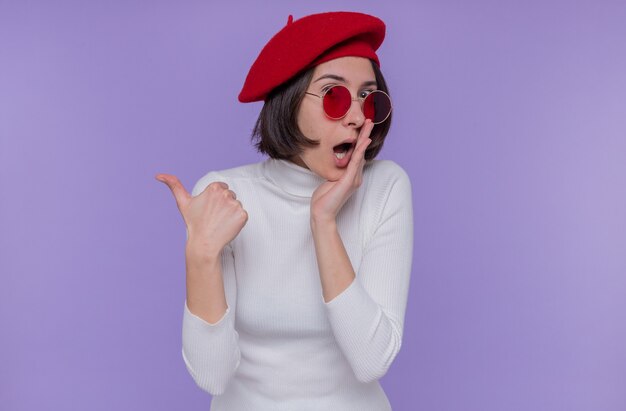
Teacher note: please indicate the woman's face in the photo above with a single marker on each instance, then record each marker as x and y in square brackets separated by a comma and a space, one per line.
[330, 158]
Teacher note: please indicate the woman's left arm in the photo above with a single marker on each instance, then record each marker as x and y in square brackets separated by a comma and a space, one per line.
[366, 312]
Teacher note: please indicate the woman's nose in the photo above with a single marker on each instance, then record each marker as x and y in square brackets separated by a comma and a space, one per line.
[355, 116]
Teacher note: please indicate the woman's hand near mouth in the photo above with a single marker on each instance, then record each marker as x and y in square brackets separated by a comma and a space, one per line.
[335, 268]
[330, 196]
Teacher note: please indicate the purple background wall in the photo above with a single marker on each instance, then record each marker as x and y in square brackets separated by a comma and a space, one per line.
[510, 119]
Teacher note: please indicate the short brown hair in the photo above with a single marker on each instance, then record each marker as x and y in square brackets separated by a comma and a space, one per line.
[276, 132]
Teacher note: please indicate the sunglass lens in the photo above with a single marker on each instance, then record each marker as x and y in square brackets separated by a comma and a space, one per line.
[377, 107]
[337, 102]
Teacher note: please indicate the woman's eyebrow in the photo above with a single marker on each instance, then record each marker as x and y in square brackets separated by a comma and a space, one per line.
[331, 76]
[343, 80]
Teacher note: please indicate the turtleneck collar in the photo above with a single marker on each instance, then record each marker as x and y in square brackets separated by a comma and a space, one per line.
[292, 178]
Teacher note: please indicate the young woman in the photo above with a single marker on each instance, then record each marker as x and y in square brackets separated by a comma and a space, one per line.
[298, 267]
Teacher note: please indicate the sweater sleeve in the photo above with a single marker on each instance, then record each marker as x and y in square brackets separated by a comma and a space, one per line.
[367, 318]
[211, 351]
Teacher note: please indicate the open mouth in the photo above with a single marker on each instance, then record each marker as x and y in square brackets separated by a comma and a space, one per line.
[343, 153]
[341, 150]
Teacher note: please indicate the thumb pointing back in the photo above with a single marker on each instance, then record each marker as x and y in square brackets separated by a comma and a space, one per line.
[178, 190]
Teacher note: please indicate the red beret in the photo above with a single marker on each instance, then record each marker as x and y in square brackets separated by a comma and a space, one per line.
[310, 41]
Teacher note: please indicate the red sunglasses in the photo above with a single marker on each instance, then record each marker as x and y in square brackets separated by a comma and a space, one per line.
[337, 100]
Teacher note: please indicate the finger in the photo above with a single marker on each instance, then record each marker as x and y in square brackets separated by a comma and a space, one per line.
[363, 141]
[219, 183]
[354, 173]
[361, 164]
[363, 149]
[366, 130]
[363, 161]
[230, 193]
[178, 190]
[359, 152]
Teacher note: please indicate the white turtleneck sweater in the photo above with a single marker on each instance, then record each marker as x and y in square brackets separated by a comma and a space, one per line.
[280, 346]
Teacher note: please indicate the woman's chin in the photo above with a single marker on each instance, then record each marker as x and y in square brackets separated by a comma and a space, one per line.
[333, 174]
[330, 172]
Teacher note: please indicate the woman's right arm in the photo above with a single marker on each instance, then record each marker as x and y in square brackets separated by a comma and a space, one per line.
[211, 348]
[205, 284]
[213, 218]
